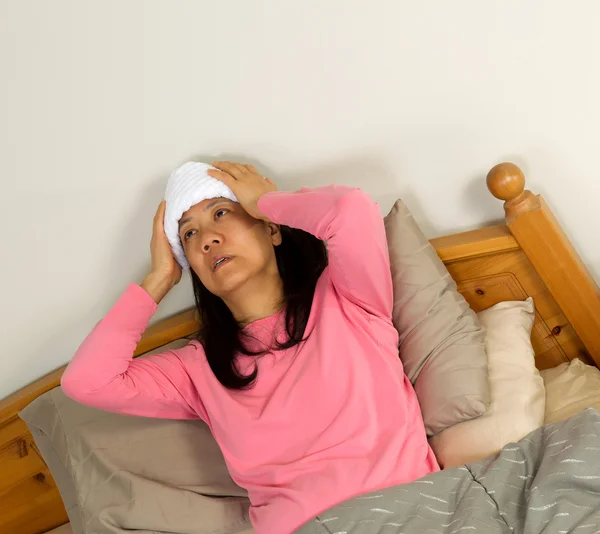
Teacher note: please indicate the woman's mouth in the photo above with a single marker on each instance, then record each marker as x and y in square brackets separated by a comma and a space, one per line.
[220, 262]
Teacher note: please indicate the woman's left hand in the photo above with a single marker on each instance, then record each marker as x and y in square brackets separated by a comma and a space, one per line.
[247, 184]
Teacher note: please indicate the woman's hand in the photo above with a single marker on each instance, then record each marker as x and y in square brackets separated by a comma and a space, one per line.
[247, 184]
[166, 271]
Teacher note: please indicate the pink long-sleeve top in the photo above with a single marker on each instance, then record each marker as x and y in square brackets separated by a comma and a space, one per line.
[326, 420]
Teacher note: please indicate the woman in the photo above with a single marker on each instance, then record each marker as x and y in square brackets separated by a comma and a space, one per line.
[296, 369]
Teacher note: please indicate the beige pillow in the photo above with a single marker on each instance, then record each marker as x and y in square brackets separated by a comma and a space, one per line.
[570, 388]
[441, 340]
[118, 473]
[516, 387]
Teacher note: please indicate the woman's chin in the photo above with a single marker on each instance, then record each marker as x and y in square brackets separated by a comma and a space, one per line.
[226, 283]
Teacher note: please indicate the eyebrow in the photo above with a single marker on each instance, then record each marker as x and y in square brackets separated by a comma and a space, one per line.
[206, 208]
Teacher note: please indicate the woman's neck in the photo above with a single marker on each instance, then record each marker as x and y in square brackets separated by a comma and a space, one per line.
[257, 300]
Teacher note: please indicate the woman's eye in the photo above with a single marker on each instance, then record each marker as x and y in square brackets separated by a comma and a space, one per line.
[220, 213]
[188, 234]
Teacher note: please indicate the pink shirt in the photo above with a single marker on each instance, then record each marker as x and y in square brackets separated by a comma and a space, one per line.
[326, 420]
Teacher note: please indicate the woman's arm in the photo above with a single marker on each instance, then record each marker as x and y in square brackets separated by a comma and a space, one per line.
[103, 373]
[350, 221]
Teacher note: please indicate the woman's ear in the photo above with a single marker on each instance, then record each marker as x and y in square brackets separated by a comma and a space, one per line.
[274, 233]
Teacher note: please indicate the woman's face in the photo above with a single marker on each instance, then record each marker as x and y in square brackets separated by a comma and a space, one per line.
[225, 246]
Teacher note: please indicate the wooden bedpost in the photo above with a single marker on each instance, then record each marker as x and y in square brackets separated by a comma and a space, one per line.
[539, 235]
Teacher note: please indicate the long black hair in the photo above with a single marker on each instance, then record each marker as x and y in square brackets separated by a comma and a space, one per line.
[301, 258]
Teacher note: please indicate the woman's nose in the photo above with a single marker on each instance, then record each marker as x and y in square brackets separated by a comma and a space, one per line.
[209, 242]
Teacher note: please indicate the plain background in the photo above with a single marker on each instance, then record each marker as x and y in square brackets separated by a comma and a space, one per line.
[102, 99]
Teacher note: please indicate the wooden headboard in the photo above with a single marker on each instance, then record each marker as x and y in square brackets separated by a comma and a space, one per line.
[528, 256]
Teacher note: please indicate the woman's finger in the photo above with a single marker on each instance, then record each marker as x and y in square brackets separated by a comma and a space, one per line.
[224, 177]
[160, 211]
[252, 169]
[241, 167]
[159, 221]
[228, 167]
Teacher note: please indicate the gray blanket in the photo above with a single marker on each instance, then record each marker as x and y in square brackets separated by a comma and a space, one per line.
[548, 482]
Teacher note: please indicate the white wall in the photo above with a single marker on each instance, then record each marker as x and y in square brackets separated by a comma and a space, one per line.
[101, 99]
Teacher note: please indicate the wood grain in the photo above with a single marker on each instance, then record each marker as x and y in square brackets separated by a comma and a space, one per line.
[32, 507]
[19, 460]
[487, 280]
[482, 242]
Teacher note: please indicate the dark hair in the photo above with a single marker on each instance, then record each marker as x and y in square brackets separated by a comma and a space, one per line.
[301, 258]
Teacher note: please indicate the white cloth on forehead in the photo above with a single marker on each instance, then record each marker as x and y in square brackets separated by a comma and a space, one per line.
[189, 185]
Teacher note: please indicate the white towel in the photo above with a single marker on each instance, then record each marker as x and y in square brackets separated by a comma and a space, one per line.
[189, 185]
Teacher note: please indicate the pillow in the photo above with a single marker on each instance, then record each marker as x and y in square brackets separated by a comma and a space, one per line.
[570, 388]
[441, 340]
[516, 387]
[117, 473]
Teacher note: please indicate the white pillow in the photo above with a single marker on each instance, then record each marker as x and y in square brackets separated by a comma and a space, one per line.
[516, 389]
[570, 388]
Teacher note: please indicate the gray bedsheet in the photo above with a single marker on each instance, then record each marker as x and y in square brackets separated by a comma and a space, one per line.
[548, 482]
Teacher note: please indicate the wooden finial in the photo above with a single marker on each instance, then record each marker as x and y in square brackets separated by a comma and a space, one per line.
[506, 182]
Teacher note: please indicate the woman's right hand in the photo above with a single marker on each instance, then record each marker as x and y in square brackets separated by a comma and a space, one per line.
[166, 271]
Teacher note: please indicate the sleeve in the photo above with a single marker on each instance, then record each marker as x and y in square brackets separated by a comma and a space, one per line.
[104, 375]
[351, 224]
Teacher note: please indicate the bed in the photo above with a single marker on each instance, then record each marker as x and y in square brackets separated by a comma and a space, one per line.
[528, 256]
